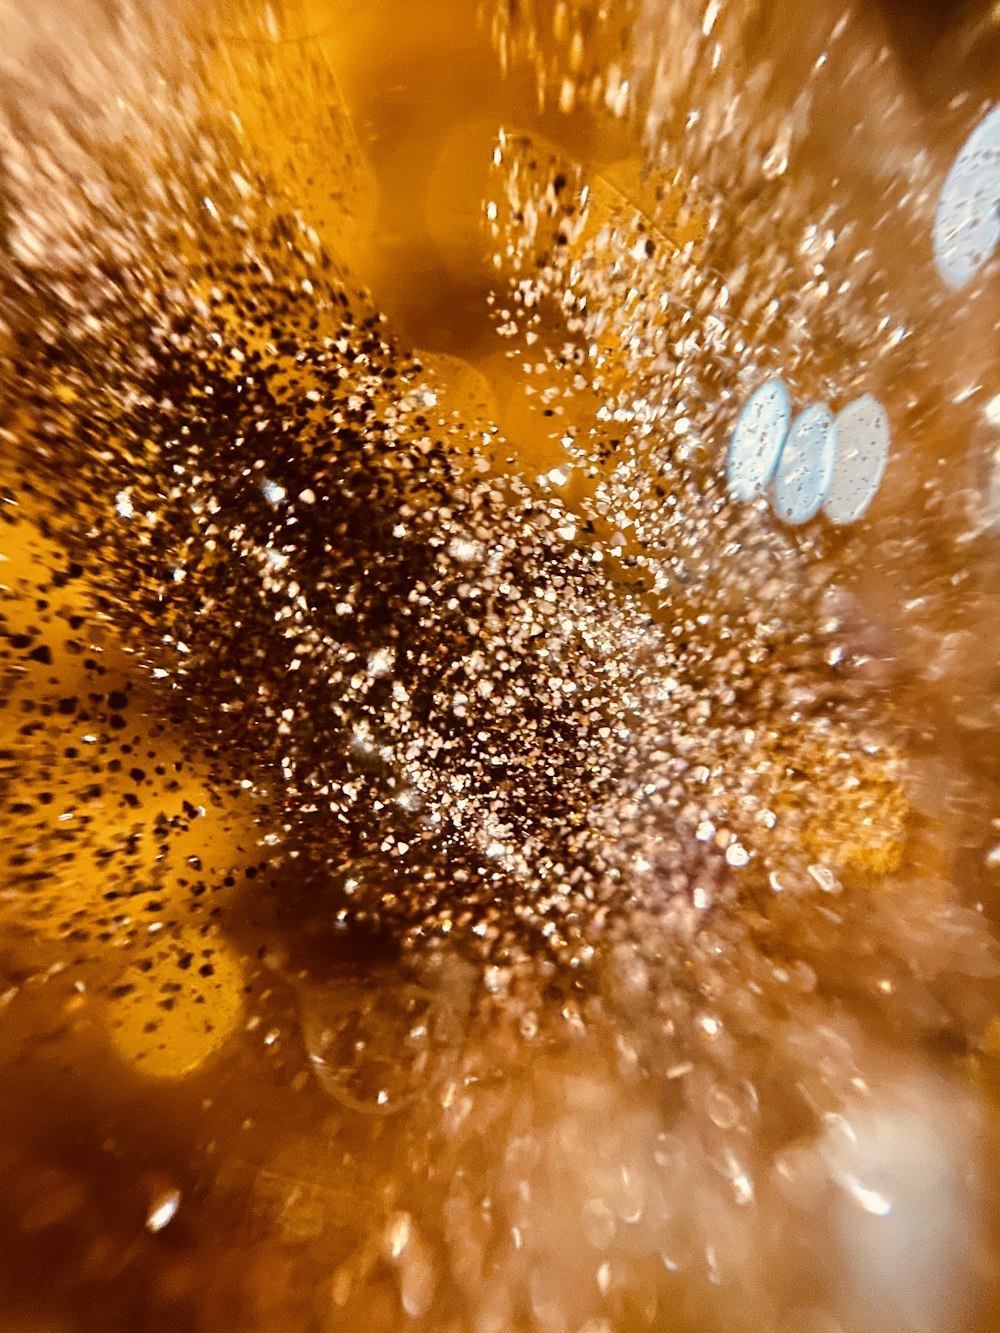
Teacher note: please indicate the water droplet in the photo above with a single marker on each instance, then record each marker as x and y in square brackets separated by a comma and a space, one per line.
[417, 1282]
[737, 856]
[722, 1108]
[162, 1210]
[868, 1200]
[397, 1236]
[825, 878]
[629, 1195]
[369, 1049]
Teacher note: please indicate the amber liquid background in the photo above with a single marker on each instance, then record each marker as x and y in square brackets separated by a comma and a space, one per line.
[281, 1189]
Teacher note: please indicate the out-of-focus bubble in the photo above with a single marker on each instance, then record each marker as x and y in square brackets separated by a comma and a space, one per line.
[370, 1049]
[760, 432]
[861, 451]
[967, 224]
[806, 465]
[905, 1218]
[168, 1020]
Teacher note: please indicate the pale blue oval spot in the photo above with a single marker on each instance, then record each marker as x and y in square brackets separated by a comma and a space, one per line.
[759, 433]
[967, 223]
[805, 466]
[861, 451]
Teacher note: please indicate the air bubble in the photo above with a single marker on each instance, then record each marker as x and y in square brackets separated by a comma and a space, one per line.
[805, 467]
[967, 224]
[722, 1109]
[861, 451]
[757, 439]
